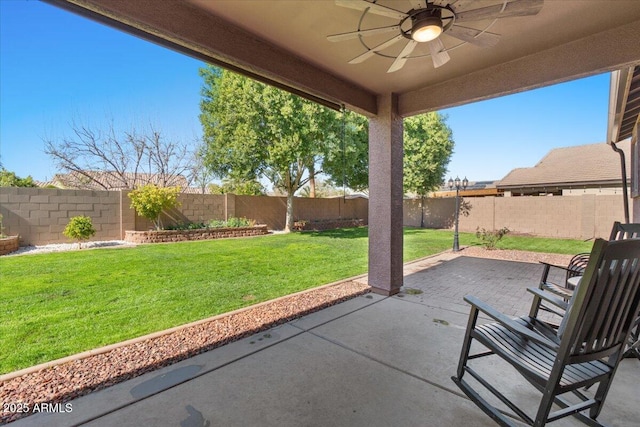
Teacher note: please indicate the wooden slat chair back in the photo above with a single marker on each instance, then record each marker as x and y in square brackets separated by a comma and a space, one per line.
[584, 351]
[622, 231]
[578, 264]
[606, 304]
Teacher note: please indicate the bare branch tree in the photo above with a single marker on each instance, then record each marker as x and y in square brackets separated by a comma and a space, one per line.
[107, 160]
[199, 174]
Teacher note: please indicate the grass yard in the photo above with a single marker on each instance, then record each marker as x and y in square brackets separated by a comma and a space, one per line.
[58, 304]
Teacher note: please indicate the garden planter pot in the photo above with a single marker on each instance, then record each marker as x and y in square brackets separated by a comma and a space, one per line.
[165, 236]
[9, 244]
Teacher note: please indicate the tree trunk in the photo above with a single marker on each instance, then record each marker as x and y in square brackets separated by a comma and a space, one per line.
[289, 220]
[312, 188]
[422, 212]
[312, 181]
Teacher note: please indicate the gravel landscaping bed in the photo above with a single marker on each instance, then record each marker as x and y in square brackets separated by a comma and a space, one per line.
[64, 247]
[513, 255]
[66, 381]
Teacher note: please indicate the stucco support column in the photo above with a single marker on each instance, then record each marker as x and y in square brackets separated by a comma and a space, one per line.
[385, 197]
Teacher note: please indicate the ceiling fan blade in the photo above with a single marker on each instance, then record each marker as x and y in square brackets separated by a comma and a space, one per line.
[473, 36]
[459, 5]
[402, 58]
[364, 33]
[372, 7]
[513, 8]
[438, 54]
[418, 4]
[368, 54]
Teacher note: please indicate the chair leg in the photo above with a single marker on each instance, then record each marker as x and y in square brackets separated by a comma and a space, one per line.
[604, 386]
[466, 345]
[633, 349]
[488, 409]
[543, 411]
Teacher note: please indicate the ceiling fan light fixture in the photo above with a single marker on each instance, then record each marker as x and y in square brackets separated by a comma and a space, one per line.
[426, 27]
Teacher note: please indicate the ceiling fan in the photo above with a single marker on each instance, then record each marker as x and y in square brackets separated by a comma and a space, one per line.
[426, 22]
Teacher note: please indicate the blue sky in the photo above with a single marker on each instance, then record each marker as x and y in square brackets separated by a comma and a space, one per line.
[56, 68]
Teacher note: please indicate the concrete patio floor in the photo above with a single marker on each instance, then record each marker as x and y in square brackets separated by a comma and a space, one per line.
[370, 361]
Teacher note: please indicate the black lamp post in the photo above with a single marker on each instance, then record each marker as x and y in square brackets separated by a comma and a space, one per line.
[457, 184]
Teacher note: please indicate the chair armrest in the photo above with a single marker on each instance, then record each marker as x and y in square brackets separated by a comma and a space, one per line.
[547, 268]
[509, 323]
[549, 297]
[561, 267]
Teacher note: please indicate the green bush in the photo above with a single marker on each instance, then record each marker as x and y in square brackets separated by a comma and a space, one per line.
[491, 238]
[186, 226]
[149, 201]
[240, 222]
[79, 228]
[214, 223]
[231, 223]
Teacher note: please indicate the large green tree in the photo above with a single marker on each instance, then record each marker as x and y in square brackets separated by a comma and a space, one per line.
[428, 145]
[252, 130]
[10, 179]
[346, 162]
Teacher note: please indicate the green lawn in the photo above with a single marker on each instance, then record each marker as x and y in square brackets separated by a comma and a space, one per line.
[58, 304]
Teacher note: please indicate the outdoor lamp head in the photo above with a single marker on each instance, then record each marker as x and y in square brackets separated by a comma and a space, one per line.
[457, 182]
[450, 183]
[426, 27]
[465, 182]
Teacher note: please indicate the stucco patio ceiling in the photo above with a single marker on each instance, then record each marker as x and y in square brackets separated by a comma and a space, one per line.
[285, 42]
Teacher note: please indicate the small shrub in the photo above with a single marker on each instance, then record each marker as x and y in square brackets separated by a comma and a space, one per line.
[216, 223]
[240, 222]
[231, 223]
[490, 238]
[186, 226]
[149, 201]
[79, 228]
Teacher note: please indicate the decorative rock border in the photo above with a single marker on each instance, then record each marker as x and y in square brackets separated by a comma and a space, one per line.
[9, 244]
[165, 236]
[326, 224]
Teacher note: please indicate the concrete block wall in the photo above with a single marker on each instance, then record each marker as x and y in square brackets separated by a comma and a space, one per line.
[481, 214]
[40, 215]
[192, 208]
[542, 216]
[272, 210]
[263, 209]
[438, 213]
[575, 217]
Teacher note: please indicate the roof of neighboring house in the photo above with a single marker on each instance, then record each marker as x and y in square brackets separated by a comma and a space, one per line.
[99, 180]
[578, 165]
[474, 188]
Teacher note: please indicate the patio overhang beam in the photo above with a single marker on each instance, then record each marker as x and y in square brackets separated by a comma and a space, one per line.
[211, 39]
[606, 51]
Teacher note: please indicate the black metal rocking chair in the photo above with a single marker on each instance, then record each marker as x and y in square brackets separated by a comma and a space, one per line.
[585, 350]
